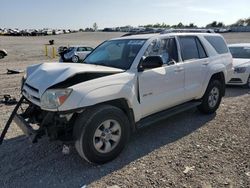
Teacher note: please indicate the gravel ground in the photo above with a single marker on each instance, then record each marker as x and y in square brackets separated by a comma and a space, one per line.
[187, 150]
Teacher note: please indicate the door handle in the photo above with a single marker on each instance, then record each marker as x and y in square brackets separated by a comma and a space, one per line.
[179, 69]
[205, 63]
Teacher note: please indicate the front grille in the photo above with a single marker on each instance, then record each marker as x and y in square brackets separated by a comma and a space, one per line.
[30, 97]
[235, 80]
[31, 94]
[32, 88]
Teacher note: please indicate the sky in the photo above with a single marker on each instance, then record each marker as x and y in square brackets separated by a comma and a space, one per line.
[76, 14]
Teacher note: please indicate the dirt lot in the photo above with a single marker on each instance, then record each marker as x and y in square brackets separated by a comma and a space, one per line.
[187, 150]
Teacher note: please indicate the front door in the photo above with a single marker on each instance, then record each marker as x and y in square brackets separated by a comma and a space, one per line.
[163, 87]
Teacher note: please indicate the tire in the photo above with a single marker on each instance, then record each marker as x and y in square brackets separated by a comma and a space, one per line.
[212, 97]
[2, 55]
[101, 133]
[247, 85]
[75, 59]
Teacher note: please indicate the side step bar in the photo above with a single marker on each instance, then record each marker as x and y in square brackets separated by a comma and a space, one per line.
[166, 113]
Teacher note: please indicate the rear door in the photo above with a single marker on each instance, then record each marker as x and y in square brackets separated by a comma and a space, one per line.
[195, 60]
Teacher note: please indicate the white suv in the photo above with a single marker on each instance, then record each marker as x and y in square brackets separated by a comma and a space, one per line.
[124, 84]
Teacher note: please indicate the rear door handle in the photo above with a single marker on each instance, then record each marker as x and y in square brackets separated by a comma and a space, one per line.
[205, 63]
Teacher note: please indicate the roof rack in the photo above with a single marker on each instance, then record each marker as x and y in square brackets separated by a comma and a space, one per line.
[188, 31]
[140, 33]
[161, 31]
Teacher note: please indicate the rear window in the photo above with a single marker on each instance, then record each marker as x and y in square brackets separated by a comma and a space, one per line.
[218, 43]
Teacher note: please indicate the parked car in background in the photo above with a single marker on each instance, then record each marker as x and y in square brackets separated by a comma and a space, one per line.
[241, 64]
[74, 53]
[3, 53]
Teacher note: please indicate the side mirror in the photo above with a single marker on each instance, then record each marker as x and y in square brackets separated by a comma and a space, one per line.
[150, 62]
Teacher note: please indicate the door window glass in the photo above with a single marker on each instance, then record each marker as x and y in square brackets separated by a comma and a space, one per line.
[165, 48]
[81, 49]
[202, 53]
[189, 48]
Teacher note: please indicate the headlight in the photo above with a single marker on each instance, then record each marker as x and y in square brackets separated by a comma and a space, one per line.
[53, 98]
[240, 69]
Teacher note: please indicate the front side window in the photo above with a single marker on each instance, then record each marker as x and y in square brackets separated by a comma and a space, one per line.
[116, 53]
[81, 49]
[165, 48]
[240, 52]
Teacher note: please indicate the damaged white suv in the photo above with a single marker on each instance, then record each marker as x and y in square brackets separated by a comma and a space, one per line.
[124, 84]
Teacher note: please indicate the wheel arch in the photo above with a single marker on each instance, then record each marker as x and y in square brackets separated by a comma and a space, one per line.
[122, 104]
[220, 77]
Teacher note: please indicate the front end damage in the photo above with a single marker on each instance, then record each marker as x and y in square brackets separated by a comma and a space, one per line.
[36, 123]
[41, 111]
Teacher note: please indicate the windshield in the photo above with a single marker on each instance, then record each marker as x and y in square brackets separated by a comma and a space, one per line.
[240, 52]
[116, 53]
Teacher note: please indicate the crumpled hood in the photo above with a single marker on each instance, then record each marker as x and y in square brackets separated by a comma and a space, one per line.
[43, 76]
[240, 62]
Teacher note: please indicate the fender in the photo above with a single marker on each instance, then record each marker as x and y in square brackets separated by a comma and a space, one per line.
[112, 92]
[213, 69]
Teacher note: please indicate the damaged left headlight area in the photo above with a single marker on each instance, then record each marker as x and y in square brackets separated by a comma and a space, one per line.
[53, 98]
[36, 123]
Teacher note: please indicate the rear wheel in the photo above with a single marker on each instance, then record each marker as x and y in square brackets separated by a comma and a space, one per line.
[212, 97]
[75, 59]
[101, 133]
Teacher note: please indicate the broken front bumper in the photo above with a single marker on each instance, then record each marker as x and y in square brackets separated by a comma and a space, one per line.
[26, 128]
[20, 121]
[35, 122]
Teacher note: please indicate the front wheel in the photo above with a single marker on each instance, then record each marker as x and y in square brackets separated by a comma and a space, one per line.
[212, 97]
[2, 55]
[101, 133]
[248, 82]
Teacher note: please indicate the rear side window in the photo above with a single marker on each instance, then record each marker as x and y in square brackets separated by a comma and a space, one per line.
[218, 43]
[202, 53]
[89, 49]
[191, 48]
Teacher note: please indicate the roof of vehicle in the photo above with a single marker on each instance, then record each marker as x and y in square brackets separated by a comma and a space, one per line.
[148, 36]
[239, 45]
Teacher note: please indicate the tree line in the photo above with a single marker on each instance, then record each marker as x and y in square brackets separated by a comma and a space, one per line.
[214, 24]
[240, 22]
